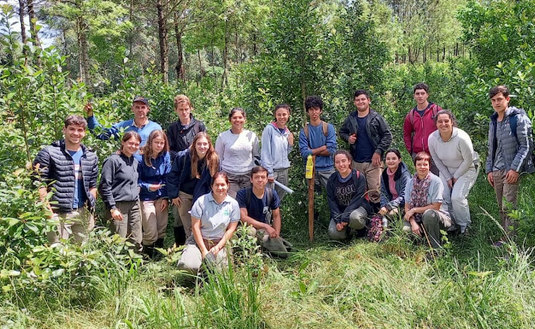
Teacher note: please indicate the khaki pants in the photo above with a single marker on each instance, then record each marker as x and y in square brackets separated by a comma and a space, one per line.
[76, 224]
[509, 192]
[154, 220]
[237, 182]
[281, 176]
[184, 211]
[191, 259]
[373, 179]
[276, 246]
[130, 226]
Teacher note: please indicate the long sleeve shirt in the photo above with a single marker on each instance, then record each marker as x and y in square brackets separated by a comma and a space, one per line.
[153, 175]
[119, 180]
[237, 152]
[275, 148]
[316, 138]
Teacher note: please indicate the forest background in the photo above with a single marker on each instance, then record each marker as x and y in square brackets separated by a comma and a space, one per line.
[255, 54]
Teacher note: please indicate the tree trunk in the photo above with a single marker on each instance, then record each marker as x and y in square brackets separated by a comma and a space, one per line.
[33, 31]
[162, 37]
[132, 33]
[83, 58]
[255, 48]
[179, 68]
[225, 57]
[424, 59]
[201, 69]
[33, 24]
[22, 4]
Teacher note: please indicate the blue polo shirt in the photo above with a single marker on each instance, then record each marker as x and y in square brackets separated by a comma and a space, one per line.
[125, 126]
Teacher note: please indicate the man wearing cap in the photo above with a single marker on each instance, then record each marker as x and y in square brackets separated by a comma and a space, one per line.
[140, 124]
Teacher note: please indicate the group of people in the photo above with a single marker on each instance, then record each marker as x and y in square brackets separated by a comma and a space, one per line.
[212, 187]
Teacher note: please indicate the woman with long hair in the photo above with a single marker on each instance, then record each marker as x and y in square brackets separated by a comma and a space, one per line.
[238, 150]
[154, 165]
[119, 189]
[346, 194]
[190, 176]
[458, 164]
[214, 218]
[393, 181]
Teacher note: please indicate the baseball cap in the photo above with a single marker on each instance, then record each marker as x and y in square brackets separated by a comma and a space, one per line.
[141, 99]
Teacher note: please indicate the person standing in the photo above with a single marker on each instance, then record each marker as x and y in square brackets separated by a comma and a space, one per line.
[420, 123]
[238, 151]
[119, 190]
[139, 124]
[318, 138]
[181, 132]
[369, 137]
[277, 142]
[180, 135]
[458, 163]
[509, 153]
[190, 177]
[70, 170]
[153, 168]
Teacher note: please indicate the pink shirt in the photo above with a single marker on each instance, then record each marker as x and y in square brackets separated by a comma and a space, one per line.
[391, 183]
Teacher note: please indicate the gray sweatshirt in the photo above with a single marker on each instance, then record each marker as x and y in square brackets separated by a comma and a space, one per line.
[237, 152]
[454, 157]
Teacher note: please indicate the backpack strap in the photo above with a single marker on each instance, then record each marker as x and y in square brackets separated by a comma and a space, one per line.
[513, 123]
[196, 127]
[325, 128]
[412, 116]
[248, 193]
[269, 196]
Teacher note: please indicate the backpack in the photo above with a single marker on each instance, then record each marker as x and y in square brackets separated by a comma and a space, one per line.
[434, 109]
[325, 127]
[513, 122]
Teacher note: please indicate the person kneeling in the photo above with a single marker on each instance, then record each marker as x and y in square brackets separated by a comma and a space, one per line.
[346, 190]
[425, 211]
[259, 207]
[214, 218]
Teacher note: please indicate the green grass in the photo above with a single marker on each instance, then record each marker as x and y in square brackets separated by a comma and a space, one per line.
[325, 285]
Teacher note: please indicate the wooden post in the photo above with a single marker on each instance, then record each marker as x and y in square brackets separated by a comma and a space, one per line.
[311, 202]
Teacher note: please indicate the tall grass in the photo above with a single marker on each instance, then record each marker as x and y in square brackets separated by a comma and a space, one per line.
[355, 285]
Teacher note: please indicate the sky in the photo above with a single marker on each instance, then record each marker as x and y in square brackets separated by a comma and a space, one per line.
[44, 33]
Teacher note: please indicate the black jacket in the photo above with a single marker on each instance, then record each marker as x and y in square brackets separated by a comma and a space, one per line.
[376, 128]
[180, 137]
[56, 168]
